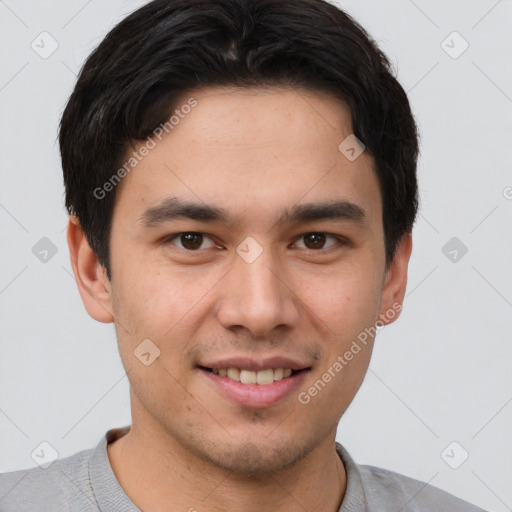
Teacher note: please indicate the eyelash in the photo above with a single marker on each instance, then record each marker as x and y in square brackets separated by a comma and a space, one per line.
[341, 240]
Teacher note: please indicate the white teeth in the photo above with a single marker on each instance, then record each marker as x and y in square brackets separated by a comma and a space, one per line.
[247, 377]
[233, 374]
[263, 377]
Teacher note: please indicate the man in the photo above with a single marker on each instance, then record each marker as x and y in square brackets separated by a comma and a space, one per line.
[241, 182]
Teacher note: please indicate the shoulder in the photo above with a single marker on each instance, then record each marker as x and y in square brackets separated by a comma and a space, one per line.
[61, 486]
[415, 495]
[382, 490]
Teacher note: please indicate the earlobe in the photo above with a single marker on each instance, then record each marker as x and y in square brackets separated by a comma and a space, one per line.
[395, 282]
[90, 276]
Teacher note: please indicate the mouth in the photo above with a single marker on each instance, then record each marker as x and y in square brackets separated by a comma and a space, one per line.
[254, 388]
[260, 378]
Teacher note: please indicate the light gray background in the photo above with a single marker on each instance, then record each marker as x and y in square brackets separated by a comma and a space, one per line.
[441, 373]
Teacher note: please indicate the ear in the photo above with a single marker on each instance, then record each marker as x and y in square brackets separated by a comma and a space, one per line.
[395, 282]
[90, 275]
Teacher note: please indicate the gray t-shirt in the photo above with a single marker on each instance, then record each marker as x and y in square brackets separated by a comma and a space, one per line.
[85, 482]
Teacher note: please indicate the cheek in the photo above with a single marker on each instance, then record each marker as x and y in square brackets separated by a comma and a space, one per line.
[165, 307]
[345, 299]
[153, 296]
[329, 393]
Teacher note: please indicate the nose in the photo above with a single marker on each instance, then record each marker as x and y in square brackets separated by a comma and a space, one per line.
[257, 297]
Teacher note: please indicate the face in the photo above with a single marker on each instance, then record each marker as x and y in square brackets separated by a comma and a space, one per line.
[246, 240]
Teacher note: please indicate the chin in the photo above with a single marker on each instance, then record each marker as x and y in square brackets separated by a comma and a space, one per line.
[250, 458]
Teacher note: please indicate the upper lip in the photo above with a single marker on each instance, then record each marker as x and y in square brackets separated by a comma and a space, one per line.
[255, 365]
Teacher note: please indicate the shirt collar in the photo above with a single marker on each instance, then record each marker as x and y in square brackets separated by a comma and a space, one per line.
[107, 489]
[355, 498]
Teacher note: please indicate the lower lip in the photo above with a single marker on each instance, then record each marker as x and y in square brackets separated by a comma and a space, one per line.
[255, 395]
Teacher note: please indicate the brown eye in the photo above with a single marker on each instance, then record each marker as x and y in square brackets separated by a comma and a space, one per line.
[316, 241]
[191, 241]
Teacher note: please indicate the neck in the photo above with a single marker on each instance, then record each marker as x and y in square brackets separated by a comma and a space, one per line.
[158, 475]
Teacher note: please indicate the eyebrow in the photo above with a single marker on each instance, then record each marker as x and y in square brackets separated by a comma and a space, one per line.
[173, 208]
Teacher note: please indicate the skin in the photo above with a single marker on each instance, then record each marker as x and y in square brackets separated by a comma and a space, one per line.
[253, 152]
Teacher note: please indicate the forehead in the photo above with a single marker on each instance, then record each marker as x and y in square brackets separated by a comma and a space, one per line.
[258, 150]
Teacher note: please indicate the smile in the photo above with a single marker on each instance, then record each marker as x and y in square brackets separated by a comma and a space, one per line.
[255, 389]
[261, 378]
